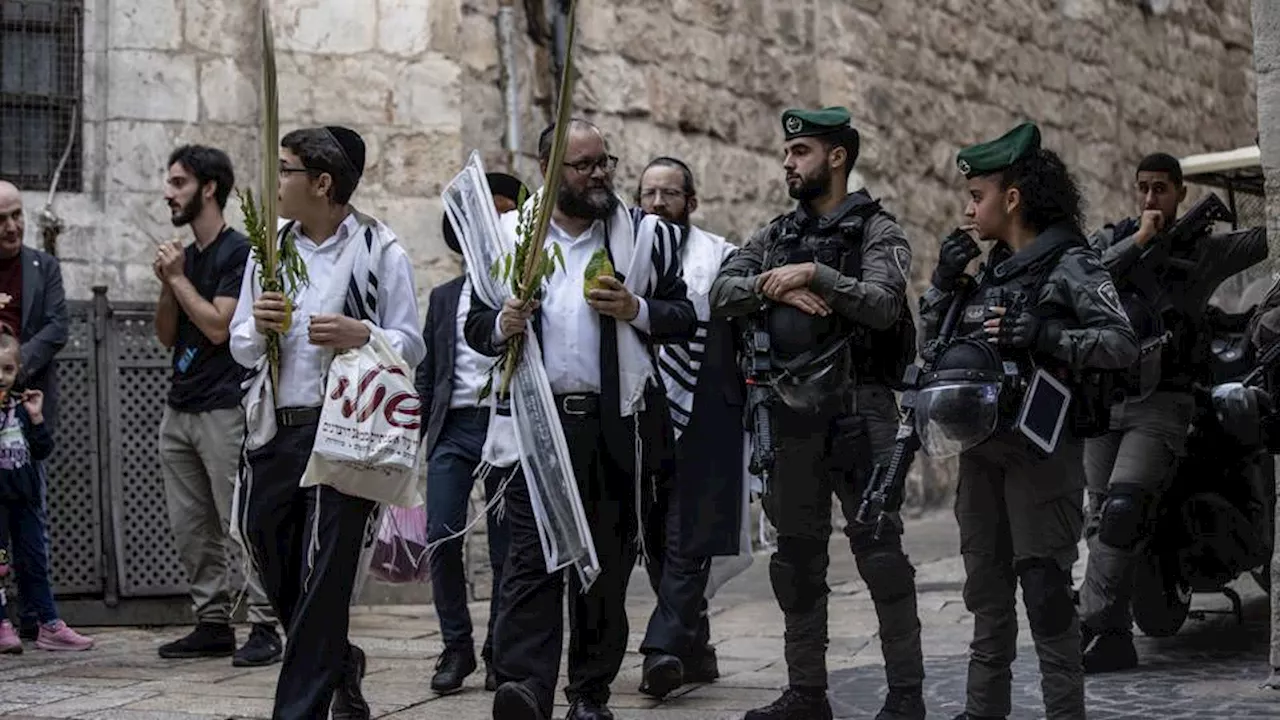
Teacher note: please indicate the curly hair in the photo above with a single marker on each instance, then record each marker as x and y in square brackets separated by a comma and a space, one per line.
[1050, 195]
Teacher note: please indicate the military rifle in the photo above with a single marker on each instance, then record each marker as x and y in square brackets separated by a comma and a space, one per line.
[758, 370]
[1173, 245]
[884, 492]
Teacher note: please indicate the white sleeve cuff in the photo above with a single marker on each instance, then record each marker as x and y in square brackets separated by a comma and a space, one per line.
[641, 320]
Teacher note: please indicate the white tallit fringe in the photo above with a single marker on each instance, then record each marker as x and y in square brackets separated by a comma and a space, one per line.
[429, 550]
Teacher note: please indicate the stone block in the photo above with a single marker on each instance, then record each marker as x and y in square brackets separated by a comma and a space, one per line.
[294, 83]
[225, 28]
[355, 91]
[136, 155]
[416, 164]
[597, 26]
[479, 43]
[145, 85]
[426, 94]
[342, 28]
[145, 25]
[405, 27]
[611, 84]
[229, 92]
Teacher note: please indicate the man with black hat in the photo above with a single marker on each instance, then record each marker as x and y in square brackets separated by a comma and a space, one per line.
[828, 281]
[449, 381]
[307, 542]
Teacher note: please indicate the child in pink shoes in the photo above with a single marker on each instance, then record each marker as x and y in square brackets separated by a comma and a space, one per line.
[24, 442]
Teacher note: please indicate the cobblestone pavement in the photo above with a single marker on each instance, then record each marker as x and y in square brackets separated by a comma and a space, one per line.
[1211, 670]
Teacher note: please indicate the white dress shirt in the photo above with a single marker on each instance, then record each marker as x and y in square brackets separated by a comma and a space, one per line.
[304, 367]
[570, 327]
[470, 368]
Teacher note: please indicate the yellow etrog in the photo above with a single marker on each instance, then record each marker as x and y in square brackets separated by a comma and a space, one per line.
[598, 265]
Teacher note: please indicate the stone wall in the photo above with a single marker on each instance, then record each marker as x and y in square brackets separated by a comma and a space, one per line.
[159, 73]
[705, 80]
[424, 81]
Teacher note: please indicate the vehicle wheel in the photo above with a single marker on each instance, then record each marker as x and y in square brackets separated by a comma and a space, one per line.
[1159, 606]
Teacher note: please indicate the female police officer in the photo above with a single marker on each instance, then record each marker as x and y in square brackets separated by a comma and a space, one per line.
[1041, 320]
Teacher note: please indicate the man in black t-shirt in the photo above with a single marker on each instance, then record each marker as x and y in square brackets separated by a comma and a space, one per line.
[203, 426]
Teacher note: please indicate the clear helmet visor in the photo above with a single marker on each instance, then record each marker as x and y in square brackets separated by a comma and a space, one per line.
[952, 417]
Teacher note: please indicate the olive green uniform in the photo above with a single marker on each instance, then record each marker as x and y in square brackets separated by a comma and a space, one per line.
[834, 452]
[1020, 512]
[1127, 469]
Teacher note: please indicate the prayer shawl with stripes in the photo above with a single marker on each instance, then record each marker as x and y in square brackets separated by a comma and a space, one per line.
[701, 256]
[354, 293]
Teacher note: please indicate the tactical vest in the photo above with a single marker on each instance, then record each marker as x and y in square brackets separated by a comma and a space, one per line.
[1172, 347]
[869, 354]
[1092, 391]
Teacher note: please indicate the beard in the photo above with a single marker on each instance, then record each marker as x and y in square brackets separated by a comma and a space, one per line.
[679, 219]
[188, 212]
[596, 202]
[810, 187]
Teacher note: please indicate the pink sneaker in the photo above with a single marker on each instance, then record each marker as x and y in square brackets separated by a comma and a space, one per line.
[57, 636]
[10, 643]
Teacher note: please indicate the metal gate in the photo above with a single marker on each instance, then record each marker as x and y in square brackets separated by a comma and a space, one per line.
[108, 523]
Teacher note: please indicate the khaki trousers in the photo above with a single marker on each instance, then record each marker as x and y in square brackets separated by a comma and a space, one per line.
[199, 458]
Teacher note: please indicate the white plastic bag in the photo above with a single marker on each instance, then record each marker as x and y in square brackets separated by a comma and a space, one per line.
[259, 404]
[368, 439]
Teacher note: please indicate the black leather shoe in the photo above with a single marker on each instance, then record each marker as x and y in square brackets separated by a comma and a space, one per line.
[205, 641]
[1109, 652]
[903, 704]
[515, 701]
[702, 668]
[587, 709]
[348, 700]
[490, 678]
[451, 669]
[662, 674]
[795, 704]
[262, 648]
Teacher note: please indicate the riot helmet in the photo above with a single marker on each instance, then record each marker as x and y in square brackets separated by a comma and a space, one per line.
[958, 404]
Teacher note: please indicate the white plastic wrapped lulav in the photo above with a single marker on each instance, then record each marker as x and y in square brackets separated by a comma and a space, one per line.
[533, 424]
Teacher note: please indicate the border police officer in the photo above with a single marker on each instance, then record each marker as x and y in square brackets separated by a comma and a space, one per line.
[1128, 467]
[1043, 306]
[831, 277]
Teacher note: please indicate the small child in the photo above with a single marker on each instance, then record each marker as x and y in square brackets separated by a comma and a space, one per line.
[24, 442]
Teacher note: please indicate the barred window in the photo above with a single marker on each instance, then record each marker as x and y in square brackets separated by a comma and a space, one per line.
[40, 92]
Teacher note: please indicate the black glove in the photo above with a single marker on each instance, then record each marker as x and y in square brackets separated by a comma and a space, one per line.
[954, 254]
[1026, 331]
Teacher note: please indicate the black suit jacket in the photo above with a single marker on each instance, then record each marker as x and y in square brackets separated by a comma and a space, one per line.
[434, 379]
[671, 319]
[45, 326]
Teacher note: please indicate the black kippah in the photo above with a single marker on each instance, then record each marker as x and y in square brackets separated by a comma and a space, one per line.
[351, 145]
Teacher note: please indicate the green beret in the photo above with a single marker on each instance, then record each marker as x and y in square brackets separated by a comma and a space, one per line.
[810, 123]
[995, 155]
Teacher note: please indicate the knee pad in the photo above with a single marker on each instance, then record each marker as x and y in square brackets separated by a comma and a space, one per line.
[887, 573]
[798, 573]
[1046, 591]
[1123, 519]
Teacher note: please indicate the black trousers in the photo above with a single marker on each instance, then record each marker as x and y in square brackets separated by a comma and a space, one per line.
[679, 624]
[529, 628]
[306, 544]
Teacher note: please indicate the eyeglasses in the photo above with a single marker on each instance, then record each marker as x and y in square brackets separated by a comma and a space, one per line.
[608, 163]
[286, 170]
[651, 193]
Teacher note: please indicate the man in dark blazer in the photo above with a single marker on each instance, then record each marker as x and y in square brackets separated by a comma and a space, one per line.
[33, 304]
[580, 352]
[698, 510]
[449, 380]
